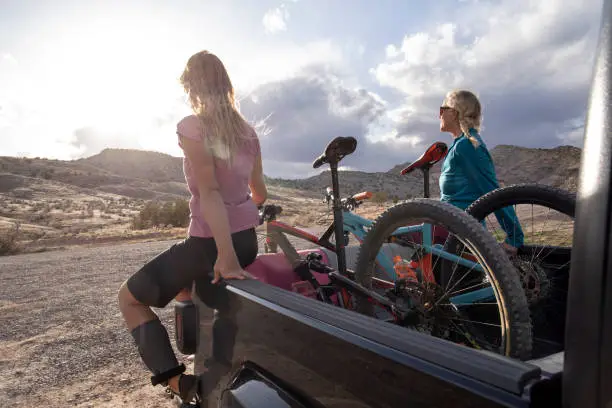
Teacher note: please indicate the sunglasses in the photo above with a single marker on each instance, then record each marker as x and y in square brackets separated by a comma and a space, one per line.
[443, 108]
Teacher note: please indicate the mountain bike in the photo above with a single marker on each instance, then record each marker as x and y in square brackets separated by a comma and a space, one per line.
[414, 299]
[401, 240]
[355, 224]
[542, 266]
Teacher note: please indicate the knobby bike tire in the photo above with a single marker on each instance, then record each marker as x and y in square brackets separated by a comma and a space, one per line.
[545, 326]
[540, 194]
[512, 300]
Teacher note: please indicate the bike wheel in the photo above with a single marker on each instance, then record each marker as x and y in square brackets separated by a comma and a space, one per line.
[509, 323]
[543, 262]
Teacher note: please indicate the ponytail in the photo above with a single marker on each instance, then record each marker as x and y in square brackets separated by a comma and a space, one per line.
[467, 123]
[466, 131]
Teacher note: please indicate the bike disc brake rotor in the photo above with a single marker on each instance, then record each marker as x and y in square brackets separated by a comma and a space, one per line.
[437, 316]
[534, 279]
[423, 298]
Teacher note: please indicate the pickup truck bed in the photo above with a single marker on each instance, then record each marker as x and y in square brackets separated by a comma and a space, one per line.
[317, 355]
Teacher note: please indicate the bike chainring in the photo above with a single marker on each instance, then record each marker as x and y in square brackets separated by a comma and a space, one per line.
[435, 313]
[422, 298]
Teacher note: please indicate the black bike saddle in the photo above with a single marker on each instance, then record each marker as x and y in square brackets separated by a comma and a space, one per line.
[336, 150]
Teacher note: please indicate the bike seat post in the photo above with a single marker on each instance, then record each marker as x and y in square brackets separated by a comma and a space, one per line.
[426, 181]
[338, 221]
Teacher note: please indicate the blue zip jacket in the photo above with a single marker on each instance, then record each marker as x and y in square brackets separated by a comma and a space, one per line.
[467, 174]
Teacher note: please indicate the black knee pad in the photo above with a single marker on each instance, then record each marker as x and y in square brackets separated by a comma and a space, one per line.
[154, 346]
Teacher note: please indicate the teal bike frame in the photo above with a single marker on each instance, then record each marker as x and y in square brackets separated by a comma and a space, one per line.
[358, 226]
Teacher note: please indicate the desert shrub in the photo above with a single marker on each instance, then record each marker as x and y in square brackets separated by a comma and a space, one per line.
[96, 205]
[66, 204]
[379, 197]
[9, 241]
[174, 213]
[22, 192]
[39, 218]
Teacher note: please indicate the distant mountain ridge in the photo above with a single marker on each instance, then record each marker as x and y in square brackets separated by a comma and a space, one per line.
[557, 167]
[151, 175]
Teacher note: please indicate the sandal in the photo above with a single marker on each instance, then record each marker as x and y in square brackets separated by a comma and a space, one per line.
[187, 392]
[187, 385]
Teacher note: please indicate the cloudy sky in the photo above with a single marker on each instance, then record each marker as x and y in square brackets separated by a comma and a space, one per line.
[77, 76]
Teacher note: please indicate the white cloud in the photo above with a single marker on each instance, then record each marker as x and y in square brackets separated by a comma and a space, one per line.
[275, 20]
[68, 121]
[530, 62]
[308, 110]
[289, 58]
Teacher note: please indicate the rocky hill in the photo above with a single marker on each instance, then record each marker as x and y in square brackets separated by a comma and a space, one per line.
[557, 167]
[49, 203]
[151, 175]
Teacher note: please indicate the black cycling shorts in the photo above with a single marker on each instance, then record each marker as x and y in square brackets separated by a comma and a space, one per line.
[192, 259]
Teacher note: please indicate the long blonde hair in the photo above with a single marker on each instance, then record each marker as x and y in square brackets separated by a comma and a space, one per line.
[469, 112]
[213, 101]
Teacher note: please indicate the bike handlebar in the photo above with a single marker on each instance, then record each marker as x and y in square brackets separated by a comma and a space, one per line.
[355, 200]
[268, 212]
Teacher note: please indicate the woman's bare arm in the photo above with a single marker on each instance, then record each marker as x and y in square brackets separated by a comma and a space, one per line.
[211, 202]
[256, 182]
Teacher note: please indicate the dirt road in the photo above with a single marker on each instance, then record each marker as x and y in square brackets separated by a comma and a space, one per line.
[63, 341]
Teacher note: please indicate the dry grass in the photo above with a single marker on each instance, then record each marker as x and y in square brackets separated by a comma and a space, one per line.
[540, 225]
[63, 218]
[50, 222]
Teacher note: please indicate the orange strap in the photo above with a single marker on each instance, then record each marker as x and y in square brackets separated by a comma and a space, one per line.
[363, 195]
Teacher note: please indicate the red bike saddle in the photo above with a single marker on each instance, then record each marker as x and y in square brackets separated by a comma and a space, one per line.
[432, 155]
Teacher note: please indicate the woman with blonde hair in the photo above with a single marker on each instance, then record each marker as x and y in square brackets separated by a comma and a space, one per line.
[222, 165]
[468, 171]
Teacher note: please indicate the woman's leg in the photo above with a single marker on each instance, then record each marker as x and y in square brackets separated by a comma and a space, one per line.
[155, 284]
[183, 295]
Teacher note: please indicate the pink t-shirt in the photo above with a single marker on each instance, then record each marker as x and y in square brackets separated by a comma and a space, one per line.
[233, 181]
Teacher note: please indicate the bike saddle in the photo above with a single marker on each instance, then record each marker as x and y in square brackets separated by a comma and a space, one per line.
[432, 155]
[336, 150]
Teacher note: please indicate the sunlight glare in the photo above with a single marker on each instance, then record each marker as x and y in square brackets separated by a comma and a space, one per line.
[114, 75]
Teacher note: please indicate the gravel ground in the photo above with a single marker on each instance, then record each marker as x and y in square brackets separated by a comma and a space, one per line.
[63, 341]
